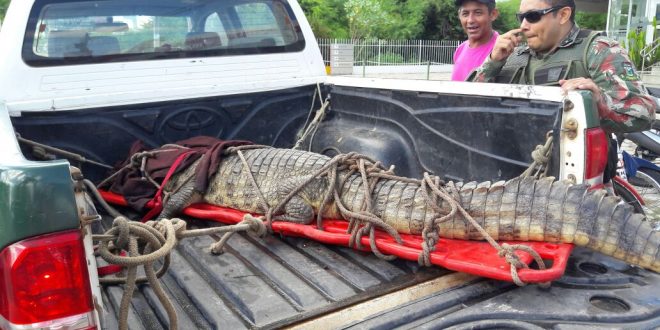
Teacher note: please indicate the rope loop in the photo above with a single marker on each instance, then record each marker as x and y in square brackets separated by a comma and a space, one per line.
[508, 252]
[145, 245]
[151, 241]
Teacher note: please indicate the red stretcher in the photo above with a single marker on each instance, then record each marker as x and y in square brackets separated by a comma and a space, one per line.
[473, 257]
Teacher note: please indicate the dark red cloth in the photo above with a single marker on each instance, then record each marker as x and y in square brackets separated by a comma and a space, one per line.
[138, 191]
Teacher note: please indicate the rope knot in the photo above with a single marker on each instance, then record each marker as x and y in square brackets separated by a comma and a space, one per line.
[508, 252]
[539, 154]
[257, 226]
[179, 225]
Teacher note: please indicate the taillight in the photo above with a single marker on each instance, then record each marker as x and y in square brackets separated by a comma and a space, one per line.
[45, 283]
[596, 156]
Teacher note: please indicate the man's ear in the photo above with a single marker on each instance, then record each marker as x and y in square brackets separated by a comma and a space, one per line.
[494, 14]
[565, 15]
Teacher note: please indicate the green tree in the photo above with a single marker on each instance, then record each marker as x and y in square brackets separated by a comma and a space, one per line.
[3, 8]
[507, 20]
[592, 21]
[366, 17]
[385, 19]
[440, 21]
[327, 17]
[404, 21]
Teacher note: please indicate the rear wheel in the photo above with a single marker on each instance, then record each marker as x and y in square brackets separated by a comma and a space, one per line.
[628, 196]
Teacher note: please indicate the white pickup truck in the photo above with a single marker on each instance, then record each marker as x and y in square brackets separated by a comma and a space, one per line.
[91, 77]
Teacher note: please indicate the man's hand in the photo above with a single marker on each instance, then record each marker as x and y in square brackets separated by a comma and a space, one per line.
[581, 83]
[505, 44]
[586, 84]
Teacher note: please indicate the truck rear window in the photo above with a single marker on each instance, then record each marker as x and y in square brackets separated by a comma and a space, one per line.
[65, 32]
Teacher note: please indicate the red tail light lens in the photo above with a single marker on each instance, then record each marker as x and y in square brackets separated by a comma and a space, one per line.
[596, 155]
[44, 278]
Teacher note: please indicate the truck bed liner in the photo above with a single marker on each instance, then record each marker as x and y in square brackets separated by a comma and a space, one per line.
[275, 281]
[262, 283]
[597, 292]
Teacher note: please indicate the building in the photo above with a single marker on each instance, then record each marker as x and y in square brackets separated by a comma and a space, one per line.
[624, 16]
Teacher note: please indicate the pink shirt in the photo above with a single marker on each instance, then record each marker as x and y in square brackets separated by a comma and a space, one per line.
[467, 59]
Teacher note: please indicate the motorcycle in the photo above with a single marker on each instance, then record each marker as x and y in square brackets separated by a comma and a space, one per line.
[638, 176]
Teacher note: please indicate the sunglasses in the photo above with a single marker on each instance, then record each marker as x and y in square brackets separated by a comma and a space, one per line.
[534, 16]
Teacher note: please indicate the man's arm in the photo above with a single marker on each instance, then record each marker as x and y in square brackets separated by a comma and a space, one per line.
[505, 44]
[487, 71]
[624, 104]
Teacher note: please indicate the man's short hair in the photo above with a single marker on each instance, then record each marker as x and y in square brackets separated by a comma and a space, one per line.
[489, 3]
[563, 3]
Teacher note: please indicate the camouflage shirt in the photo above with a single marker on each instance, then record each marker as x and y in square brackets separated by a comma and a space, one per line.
[625, 105]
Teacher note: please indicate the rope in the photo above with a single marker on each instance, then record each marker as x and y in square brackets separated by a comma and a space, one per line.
[156, 246]
[508, 251]
[541, 157]
[314, 125]
[139, 160]
[151, 241]
[352, 162]
[429, 232]
[363, 221]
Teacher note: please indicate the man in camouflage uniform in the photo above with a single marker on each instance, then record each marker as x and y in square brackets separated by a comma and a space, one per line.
[559, 53]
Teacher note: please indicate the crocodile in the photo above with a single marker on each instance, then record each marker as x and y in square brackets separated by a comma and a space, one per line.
[521, 209]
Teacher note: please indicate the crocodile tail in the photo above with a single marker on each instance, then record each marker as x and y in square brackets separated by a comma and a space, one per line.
[526, 209]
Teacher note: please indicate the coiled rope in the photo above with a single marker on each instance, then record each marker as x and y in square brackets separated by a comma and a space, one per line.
[149, 242]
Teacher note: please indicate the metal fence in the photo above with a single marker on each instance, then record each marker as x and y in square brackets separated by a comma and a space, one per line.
[377, 52]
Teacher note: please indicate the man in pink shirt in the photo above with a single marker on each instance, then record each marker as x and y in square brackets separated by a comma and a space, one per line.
[477, 18]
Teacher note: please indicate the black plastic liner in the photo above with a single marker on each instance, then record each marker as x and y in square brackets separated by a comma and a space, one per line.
[597, 292]
[272, 282]
[106, 134]
[457, 137]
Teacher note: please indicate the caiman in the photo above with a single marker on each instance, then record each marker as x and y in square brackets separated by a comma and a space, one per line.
[519, 209]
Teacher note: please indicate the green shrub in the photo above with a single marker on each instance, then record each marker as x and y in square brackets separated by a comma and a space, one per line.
[636, 43]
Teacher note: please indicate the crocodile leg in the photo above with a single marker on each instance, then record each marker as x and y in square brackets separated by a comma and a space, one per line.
[297, 209]
[178, 200]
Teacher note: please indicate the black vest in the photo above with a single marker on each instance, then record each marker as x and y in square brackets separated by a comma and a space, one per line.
[565, 63]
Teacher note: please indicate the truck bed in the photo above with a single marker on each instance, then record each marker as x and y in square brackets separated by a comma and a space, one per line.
[274, 282]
